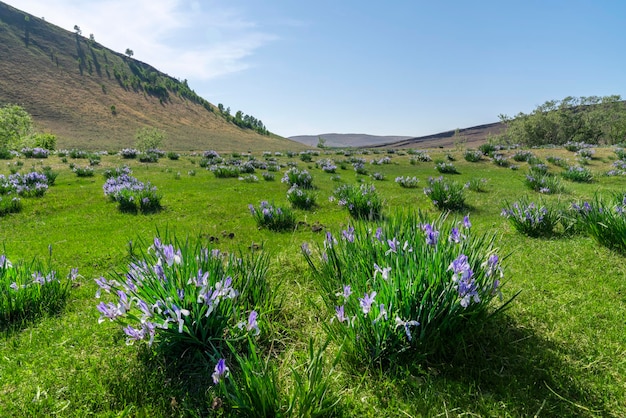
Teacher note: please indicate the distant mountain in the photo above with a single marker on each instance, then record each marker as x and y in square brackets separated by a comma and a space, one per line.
[94, 98]
[347, 140]
[470, 137]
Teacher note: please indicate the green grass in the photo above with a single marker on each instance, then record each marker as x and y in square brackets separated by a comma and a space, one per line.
[560, 350]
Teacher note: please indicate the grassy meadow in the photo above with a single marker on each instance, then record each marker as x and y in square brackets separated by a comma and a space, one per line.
[558, 350]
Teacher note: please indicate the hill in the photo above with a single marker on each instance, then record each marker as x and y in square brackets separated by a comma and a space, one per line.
[94, 98]
[347, 140]
[470, 137]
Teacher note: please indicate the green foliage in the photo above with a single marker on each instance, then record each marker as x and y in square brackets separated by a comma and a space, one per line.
[362, 202]
[301, 198]
[585, 119]
[473, 156]
[578, 174]
[407, 288]
[187, 299]
[149, 138]
[9, 205]
[28, 290]
[529, 218]
[604, 221]
[274, 218]
[15, 126]
[445, 194]
[45, 140]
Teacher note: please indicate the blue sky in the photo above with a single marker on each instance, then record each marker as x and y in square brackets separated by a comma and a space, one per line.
[383, 68]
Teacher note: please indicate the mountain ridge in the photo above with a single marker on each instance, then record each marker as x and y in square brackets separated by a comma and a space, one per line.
[95, 98]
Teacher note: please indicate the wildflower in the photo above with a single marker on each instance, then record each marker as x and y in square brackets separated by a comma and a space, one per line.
[133, 334]
[431, 234]
[379, 234]
[348, 234]
[384, 272]
[347, 291]
[406, 325]
[393, 246]
[109, 310]
[221, 371]
[455, 236]
[382, 313]
[252, 324]
[176, 314]
[366, 302]
[4, 262]
[340, 313]
[224, 289]
[305, 248]
[466, 222]
[73, 274]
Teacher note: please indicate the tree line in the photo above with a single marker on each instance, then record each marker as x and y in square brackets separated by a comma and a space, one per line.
[593, 120]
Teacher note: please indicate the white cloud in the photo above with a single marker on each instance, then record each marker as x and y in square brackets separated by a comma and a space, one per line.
[186, 39]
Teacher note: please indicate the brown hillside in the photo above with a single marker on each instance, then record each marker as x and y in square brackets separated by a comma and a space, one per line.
[69, 84]
[468, 138]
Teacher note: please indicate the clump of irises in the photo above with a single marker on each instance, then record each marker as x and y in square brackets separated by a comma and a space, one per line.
[10, 205]
[363, 202]
[543, 183]
[301, 198]
[32, 184]
[129, 153]
[30, 289]
[131, 194]
[446, 168]
[300, 178]
[522, 155]
[418, 156]
[530, 218]
[445, 194]
[578, 174]
[36, 152]
[274, 218]
[185, 298]
[407, 182]
[405, 286]
[604, 220]
[473, 156]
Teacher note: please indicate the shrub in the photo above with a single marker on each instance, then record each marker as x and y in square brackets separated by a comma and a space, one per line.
[76, 153]
[187, 299]
[487, 149]
[530, 218]
[148, 157]
[268, 176]
[301, 198]
[473, 156]
[378, 176]
[407, 182]
[578, 174]
[359, 167]
[575, 146]
[363, 202]
[306, 157]
[173, 155]
[446, 168]
[28, 290]
[586, 153]
[409, 287]
[445, 194]
[300, 178]
[272, 217]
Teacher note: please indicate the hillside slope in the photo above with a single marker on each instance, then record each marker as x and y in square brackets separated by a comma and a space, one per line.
[468, 137]
[347, 140]
[94, 98]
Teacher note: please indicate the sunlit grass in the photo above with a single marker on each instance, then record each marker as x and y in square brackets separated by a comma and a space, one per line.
[558, 351]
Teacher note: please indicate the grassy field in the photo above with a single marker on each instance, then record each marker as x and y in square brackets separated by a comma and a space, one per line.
[560, 350]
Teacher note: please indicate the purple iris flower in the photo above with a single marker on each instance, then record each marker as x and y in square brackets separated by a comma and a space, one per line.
[366, 302]
[221, 371]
